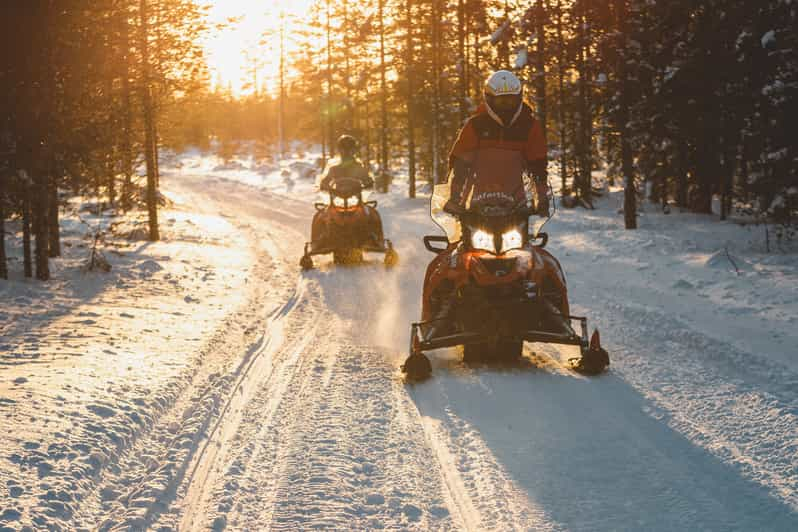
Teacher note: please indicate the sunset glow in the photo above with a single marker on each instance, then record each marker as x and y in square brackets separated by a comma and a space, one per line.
[232, 51]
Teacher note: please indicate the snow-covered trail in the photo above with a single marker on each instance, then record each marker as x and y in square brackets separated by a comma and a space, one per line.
[320, 430]
[323, 433]
[291, 413]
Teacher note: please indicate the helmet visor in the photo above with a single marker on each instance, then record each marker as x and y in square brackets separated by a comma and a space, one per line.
[505, 103]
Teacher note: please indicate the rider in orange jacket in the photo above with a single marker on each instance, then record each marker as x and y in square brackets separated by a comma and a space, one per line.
[502, 135]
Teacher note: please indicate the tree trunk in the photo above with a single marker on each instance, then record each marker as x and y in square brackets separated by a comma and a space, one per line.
[156, 157]
[366, 124]
[281, 114]
[585, 116]
[540, 75]
[561, 60]
[587, 165]
[330, 111]
[681, 174]
[149, 127]
[478, 71]
[127, 128]
[3, 262]
[462, 60]
[127, 116]
[384, 174]
[350, 108]
[55, 227]
[322, 127]
[702, 197]
[111, 177]
[629, 191]
[729, 168]
[27, 259]
[503, 46]
[411, 125]
[436, 97]
[41, 226]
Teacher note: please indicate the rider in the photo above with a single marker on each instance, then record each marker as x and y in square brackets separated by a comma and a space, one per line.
[347, 166]
[502, 139]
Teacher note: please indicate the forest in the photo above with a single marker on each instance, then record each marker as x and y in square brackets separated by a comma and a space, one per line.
[683, 102]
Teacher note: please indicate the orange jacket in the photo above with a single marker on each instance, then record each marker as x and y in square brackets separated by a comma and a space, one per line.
[491, 157]
[525, 135]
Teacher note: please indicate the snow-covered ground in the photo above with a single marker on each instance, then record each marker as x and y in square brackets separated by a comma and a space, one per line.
[206, 382]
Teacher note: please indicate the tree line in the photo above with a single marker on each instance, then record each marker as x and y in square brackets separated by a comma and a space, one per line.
[87, 88]
[686, 100]
[683, 100]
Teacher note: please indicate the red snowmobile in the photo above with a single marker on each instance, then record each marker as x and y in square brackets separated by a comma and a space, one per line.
[346, 227]
[492, 285]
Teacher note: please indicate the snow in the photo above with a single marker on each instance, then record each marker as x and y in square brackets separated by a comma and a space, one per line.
[500, 33]
[768, 38]
[670, 73]
[204, 382]
[80, 372]
[522, 58]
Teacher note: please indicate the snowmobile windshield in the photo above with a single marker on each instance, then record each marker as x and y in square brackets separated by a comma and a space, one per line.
[497, 174]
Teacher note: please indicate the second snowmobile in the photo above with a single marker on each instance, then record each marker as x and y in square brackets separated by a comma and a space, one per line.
[347, 226]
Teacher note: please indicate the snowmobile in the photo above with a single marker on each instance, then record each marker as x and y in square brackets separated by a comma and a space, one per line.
[347, 226]
[493, 286]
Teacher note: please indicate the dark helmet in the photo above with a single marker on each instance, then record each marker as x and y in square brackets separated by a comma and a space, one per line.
[347, 145]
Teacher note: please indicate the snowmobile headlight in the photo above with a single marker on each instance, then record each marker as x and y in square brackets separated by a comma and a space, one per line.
[512, 239]
[339, 201]
[351, 201]
[483, 240]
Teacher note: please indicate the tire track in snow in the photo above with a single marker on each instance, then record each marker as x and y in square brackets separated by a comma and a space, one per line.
[139, 483]
[263, 369]
[354, 463]
[483, 494]
[255, 470]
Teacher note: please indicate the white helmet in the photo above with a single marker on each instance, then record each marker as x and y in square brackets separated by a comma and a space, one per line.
[504, 97]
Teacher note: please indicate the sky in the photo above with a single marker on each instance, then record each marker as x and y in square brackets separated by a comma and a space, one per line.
[227, 50]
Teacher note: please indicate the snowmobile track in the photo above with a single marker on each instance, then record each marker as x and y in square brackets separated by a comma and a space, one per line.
[263, 368]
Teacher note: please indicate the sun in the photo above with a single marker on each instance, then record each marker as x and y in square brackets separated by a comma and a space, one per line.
[237, 56]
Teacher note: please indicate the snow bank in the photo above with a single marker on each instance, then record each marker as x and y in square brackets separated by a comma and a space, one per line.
[89, 360]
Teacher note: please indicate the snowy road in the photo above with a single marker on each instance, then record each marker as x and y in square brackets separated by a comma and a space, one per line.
[328, 436]
[303, 420]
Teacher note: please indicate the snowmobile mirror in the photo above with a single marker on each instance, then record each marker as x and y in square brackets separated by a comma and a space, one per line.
[429, 240]
[544, 237]
[320, 206]
[372, 204]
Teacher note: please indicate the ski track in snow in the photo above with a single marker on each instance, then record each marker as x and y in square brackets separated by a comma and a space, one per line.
[302, 421]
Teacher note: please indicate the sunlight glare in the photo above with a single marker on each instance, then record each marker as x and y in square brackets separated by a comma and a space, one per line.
[232, 50]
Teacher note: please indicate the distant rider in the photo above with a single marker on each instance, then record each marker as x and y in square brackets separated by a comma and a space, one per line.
[502, 139]
[347, 166]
